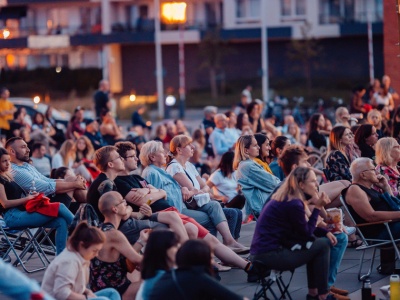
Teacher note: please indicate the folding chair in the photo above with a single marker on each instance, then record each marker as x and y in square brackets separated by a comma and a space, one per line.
[267, 278]
[24, 240]
[369, 243]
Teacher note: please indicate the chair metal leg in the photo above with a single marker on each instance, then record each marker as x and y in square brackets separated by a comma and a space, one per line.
[364, 276]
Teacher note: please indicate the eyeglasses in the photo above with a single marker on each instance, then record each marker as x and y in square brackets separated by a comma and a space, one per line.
[119, 157]
[369, 170]
[123, 201]
[130, 156]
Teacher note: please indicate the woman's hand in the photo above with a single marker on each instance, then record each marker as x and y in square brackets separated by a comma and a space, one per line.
[145, 210]
[320, 200]
[332, 238]
[185, 193]
[31, 196]
[144, 235]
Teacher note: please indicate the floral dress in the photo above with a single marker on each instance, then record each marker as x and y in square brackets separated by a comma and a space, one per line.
[109, 274]
[392, 177]
[337, 167]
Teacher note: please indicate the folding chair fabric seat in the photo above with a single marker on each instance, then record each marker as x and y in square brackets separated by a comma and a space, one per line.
[23, 240]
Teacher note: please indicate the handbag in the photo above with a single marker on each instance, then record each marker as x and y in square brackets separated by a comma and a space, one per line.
[197, 200]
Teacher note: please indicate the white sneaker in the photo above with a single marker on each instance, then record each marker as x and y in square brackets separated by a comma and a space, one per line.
[349, 230]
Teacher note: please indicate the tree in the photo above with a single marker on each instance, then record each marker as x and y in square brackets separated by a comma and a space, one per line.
[212, 49]
[305, 52]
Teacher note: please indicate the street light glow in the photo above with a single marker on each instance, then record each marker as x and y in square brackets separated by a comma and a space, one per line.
[36, 99]
[170, 100]
[6, 33]
[132, 97]
[173, 12]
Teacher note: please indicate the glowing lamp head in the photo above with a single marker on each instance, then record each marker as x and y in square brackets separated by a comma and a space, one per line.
[36, 99]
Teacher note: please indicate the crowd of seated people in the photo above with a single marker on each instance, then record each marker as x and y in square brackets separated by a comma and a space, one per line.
[237, 165]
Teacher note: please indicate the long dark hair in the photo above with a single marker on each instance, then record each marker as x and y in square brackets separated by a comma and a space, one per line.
[239, 121]
[278, 143]
[260, 138]
[313, 124]
[362, 133]
[194, 253]
[155, 255]
[226, 163]
[335, 136]
[59, 173]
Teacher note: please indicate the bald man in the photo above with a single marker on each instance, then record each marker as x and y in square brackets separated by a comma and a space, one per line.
[116, 250]
[221, 139]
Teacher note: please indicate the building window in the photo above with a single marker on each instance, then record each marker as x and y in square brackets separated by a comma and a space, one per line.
[248, 9]
[339, 11]
[293, 8]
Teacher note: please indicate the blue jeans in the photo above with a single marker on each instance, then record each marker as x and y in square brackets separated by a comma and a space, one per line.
[18, 218]
[17, 285]
[234, 217]
[337, 253]
[107, 294]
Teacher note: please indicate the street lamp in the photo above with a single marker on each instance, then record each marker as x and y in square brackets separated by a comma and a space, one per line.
[175, 13]
[159, 68]
[264, 50]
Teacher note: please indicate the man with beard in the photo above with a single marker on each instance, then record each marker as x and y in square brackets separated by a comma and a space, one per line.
[27, 176]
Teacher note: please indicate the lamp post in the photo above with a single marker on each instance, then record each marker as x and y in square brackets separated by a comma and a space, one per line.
[175, 13]
[159, 69]
[264, 51]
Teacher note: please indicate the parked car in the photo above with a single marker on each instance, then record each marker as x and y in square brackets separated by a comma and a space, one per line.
[61, 116]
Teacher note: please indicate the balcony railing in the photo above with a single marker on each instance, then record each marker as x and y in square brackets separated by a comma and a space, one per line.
[361, 17]
[146, 25]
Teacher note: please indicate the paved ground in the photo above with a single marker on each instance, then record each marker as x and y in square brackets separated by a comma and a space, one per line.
[236, 279]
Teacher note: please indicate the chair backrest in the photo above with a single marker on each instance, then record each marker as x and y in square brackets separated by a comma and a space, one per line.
[348, 214]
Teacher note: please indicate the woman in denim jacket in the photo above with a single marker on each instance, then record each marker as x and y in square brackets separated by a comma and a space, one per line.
[257, 184]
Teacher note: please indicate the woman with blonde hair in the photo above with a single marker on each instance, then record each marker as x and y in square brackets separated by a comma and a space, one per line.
[387, 158]
[283, 225]
[374, 118]
[84, 156]
[185, 173]
[66, 156]
[257, 184]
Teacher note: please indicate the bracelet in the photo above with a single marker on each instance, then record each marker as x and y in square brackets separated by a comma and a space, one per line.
[140, 242]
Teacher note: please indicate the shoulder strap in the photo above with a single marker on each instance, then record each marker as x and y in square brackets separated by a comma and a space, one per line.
[177, 284]
[173, 162]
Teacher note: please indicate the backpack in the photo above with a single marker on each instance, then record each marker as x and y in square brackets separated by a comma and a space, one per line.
[86, 213]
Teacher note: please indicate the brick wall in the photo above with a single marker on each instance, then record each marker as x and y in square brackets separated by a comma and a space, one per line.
[390, 38]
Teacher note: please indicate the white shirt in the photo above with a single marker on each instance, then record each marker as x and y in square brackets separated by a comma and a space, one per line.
[224, 186]
[174, 167]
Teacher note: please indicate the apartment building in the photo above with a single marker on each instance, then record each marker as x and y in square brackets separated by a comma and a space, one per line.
[118, 35]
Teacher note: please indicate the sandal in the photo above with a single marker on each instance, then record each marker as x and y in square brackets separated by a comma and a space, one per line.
[354, 244]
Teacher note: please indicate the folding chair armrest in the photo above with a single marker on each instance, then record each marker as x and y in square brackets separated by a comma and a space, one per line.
[373, 223]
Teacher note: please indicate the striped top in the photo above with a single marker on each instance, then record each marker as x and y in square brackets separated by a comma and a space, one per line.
[26, 173]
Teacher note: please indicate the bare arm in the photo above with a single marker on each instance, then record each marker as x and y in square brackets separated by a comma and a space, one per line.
[358, 199]
[12, 203]
[121, 244]
[65, 187]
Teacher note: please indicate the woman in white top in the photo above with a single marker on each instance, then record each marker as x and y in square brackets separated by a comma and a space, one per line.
[224, 185]
[383, 97]
[186, 175]
[67, 276]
